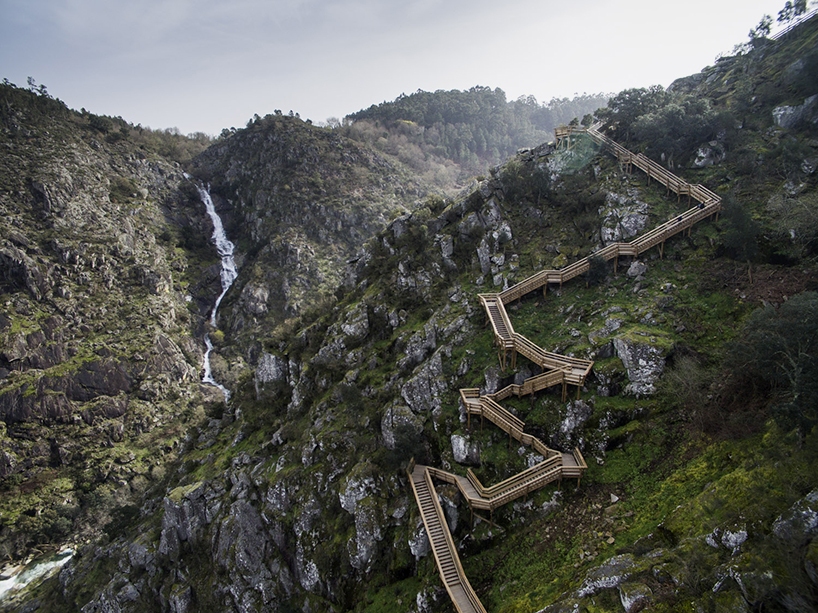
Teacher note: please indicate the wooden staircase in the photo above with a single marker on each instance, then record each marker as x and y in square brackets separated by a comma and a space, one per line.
[557, 370]
[448, 562]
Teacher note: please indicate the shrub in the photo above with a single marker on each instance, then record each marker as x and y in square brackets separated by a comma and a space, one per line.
[122, 190]
[739, 231]
[630, 104]
[524, 182]
[597, 270]
[795, 220]
[778, 348]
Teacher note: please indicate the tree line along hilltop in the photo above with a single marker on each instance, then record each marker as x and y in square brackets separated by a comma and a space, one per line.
[354, 321]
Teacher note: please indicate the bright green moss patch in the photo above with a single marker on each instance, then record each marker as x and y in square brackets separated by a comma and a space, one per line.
[400, 595]
[179, 493]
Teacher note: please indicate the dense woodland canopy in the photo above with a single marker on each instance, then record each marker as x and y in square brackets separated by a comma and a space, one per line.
[451, 134]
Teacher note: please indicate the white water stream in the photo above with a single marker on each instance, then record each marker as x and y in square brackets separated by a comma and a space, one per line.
[228, 275]
[34, 571]
[41, 568]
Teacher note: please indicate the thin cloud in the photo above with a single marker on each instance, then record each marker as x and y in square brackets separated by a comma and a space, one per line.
[208, 64]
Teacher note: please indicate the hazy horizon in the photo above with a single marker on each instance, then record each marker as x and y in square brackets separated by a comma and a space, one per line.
[202, 65]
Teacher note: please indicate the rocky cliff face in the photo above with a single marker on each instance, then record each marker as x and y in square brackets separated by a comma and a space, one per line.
[107, 275]
[295, 497]
[302, 200]
[98, 357]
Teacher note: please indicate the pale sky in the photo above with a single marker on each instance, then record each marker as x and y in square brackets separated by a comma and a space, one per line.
[204, 65]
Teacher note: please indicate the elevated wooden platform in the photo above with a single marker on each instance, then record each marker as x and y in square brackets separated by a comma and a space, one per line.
[448, 562]
[557, 370]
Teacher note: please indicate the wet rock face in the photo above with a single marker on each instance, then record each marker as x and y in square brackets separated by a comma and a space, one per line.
[610, 574]
[356, 325]
[58, 397]
[800, 523]
[41, 349]
[254, 299]
[8, 461]
[792, 116]
[16, 406]
[623, 217]
[637, 269]
[184, 519]
[709, 155]
[419, 542]
[423, 391]
[369, 532]
[98, 378]
[272, 369]
[419, 346]
[24, 272]
[634, 596]
[397, 421]
[576, 414]
[242, 548]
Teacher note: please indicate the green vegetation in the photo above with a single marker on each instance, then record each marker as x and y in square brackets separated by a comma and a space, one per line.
[778, 350]
[296, 493]
[40, 106]
[447, 136]
[94, 388]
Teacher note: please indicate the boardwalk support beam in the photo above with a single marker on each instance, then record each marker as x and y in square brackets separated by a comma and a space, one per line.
[555, 370]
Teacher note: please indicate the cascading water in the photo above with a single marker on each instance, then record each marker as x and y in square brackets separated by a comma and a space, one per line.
[33, 572]
[228, 275]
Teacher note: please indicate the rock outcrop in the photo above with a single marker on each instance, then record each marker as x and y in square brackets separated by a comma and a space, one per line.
[644, 362]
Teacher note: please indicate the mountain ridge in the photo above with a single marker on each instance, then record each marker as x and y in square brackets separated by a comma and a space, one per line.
[294, 495]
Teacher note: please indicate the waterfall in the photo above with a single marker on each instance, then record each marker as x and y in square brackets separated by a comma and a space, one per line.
[32, 572]
[228, 274]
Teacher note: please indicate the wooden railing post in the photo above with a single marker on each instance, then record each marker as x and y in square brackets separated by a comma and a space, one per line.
[556, 369]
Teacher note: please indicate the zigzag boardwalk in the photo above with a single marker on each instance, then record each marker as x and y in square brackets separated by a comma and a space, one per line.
[558, 370]
[448, 562]
[562, 370]
[501, 325]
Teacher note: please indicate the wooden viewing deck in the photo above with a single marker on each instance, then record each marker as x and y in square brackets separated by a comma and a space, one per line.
[557, 370]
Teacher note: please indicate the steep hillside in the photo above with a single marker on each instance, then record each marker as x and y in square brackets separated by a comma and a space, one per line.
[698, 425]
[98, 359]
[448, 137]
[108, 274]
[300, 200]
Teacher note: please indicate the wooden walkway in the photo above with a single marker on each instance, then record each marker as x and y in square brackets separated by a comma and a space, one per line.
[443, 547]
[574, 371]
[554, 467]
[557, 370]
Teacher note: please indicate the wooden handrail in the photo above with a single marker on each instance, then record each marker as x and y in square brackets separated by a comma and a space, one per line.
[491, 304]
[463, 580]
[710, 201]
[562, 369]
[500, 417]
[525, 476]
[792, 26]
[526, 487]
[579, 458]
[532, 384]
